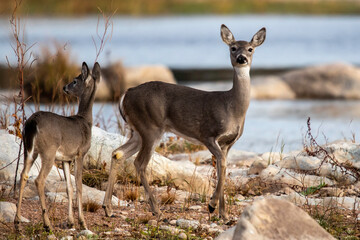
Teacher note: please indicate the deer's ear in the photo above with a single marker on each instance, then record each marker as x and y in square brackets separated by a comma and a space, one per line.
[96, 72]
[258, 38]
[226, 35]
[84, 71]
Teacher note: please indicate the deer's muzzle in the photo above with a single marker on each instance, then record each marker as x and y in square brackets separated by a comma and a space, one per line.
[242, 59]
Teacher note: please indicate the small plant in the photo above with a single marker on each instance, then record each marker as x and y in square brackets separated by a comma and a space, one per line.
[132, 193]
[94, 177]
[91, 206]
[169, 197]
[175, 145]
[312, 190]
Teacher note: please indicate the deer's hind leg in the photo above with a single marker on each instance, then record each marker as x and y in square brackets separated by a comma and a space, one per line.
[47, 161]
[149, 138]
[29, 159]
[70, 192]
[123, 152]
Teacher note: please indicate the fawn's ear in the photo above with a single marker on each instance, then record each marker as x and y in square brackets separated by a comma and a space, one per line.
[96, 72]
[226, 35]
[258, 38]
[84, 71]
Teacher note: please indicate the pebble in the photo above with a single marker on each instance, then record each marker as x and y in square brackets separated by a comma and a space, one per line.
[67, 238]
[85, 233]
[126, 233]
[50, 237]
[172, 230]
[196, 207]
[173, 222]
[152, 223]
[213, 225]
[182, 236]
[184, 223]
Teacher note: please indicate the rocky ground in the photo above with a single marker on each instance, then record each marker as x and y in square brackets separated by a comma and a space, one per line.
[322, 180]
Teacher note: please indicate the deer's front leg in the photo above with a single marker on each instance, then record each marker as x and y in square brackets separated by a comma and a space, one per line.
[78, 179]
[70, 193]
[215, 149]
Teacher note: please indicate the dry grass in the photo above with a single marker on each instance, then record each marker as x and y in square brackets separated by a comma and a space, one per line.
[131, 193]
[50, 74]
[91, 206]
[175, 145]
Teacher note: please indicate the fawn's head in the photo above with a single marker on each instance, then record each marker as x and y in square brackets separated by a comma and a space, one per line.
[241, 52]
[85, 83]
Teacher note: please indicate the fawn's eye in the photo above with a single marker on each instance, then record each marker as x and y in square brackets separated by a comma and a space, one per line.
[250, 49]
[233, 49]
[75, 82]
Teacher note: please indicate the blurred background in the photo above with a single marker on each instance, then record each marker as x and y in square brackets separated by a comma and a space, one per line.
[307, 67]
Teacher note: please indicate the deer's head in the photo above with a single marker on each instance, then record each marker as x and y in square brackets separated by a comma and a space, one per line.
[85, 83]
[241, 52]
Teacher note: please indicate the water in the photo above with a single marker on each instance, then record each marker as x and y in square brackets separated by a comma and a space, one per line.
[194, 41]
[269, 125]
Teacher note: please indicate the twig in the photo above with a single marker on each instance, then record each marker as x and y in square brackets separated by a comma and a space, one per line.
[105, 36]
[21, 51]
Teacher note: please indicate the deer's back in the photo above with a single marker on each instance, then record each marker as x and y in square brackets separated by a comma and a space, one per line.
[59, 133]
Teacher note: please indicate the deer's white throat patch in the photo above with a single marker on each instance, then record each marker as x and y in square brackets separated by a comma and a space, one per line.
[242, 72]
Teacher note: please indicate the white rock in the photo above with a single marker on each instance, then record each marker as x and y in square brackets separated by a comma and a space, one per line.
[184, 223]
[171, 229]
[182, 236]
[257, 166]
[270, 87]
[227, 235]
[277, 219]
[67, 238]
[274, 174]
[273, 157]
[196, 207]
[299, 163]
[86, 233]
[8, 211]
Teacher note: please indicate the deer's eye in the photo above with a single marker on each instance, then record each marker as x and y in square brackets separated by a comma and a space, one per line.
[250, 49]
[233, 49]
[75, 82]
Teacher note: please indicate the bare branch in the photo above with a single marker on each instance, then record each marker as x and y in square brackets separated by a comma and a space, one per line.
[105, 36]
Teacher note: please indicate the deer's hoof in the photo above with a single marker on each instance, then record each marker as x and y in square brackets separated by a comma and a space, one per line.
[108, 212]
[211, 209]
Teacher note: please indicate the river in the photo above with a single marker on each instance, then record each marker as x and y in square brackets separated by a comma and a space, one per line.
[194, 42]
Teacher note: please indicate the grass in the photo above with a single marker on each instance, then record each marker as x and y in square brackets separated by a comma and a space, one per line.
[165, 7]
[50, 73]
[91, 206]
[175, 145]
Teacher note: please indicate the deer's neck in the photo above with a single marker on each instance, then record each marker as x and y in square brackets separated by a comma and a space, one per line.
[86, 104]
[241, 87]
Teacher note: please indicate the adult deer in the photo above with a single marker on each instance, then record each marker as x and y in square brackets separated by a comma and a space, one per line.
[215, 119]
[55, 137]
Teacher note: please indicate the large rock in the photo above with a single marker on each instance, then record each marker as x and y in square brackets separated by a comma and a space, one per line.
[326, 81]
[55, 186]
[118, 79]
[271, 88]
[277, 219]
[8, 211]
[184, 174]
[275, 174]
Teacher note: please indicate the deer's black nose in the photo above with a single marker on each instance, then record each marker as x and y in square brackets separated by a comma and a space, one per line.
[64, 89]
[241, 59]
